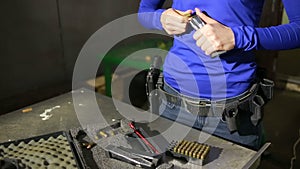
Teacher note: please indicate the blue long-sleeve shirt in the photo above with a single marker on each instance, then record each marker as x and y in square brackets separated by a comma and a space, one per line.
[190, 71]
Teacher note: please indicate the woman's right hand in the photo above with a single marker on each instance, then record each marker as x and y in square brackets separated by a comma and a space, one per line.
[175, 22]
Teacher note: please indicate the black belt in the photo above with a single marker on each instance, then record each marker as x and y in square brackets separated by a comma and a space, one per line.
[204, 107]
[252, 100]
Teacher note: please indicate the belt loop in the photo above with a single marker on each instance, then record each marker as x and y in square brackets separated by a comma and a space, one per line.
[184, 104]
[218, 108]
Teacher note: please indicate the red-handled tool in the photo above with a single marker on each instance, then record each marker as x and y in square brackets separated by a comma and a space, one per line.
[140, 135]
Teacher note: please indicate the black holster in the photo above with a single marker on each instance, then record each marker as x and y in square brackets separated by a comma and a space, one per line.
[230, 115]
[153, 80]
[262, 97]
[250, 109]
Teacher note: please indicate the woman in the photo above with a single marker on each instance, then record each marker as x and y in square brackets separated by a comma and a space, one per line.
[190, 71]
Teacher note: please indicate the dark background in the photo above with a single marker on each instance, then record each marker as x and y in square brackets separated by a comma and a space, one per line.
[40, 41]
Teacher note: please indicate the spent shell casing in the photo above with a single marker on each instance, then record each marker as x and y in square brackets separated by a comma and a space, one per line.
[111, 133]
[103, 134]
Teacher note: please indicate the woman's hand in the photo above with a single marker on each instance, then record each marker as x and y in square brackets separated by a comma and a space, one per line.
[174, 21]
[213, 36]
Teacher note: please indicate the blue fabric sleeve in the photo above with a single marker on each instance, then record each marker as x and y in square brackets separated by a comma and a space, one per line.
[150, 12]
[279, 37]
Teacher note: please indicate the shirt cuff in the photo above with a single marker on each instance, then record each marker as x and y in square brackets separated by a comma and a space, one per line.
[151, 20]
[245, 37]
[156, 19]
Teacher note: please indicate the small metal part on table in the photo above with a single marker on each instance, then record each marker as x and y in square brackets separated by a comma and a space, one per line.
[165, 166]
[88, 145]
[103, 134]
[109, 131]
[27, 110]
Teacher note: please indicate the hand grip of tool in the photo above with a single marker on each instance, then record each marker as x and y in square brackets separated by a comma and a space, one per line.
[197, 23]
